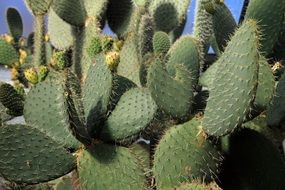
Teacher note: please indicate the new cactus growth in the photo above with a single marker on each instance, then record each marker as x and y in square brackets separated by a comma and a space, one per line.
[210, 122]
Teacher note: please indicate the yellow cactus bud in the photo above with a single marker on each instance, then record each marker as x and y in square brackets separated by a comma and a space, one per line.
[117, 45]
[14, 73]
[42, 72]
[112, 60]
[23, 56]
[31, 75]
[9, 39]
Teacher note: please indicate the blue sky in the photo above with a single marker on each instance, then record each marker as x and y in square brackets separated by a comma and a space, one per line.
[234, 5]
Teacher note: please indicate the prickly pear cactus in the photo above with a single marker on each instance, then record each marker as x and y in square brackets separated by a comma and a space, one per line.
[144, 108]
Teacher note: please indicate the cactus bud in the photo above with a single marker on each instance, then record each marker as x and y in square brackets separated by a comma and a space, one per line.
[9, 39]
[59, 60]
[117, 45]
[42, 72]
[107, 43]
[23, 56]
[95, 47]
[14, 73]
[31, 75]
[112, 60]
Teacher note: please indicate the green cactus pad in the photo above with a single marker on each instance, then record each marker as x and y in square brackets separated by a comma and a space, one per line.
[120, 86]
[39, 7]
[276, 109]
[185, 51]
[30, 156]
[266, 84]
[192, 158]
[110, 167]
[11, 99]
[165, 17]
[269, 17]
[119, 13]
[172, 95]
[141, 152]
[134, 111]
[235, 83]
[15, 23]
[8, 54]
[129, 65]
[224, 24]
[203, 24]
[144, 35]
[60, 37]
[168, 14]
[253, 163]
[46, 109]
[75, 108]
[161, 43]
[71, 11]
[95, 8]
[96, 92]
[209, 75]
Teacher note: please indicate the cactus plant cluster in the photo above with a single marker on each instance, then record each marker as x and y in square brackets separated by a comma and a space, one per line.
[92, 101]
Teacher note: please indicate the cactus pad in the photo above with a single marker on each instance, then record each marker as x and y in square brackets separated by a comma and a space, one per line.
[134, 111]
[168, 14]
[119, 13]
[30, 156]
[120, 86]
[266, 84]
[161, 43]
[11, 99]
[15, 23]
[124, 172]
[237, 68]
[46, 109]
[185, 51]
[224, 24]
[8, 54]
[129, 65]
[95, 8]
[71, 11]
[269, 17]
[96, 92]
[172, 95]
[193, 158]
[60, 37]
[39, 7]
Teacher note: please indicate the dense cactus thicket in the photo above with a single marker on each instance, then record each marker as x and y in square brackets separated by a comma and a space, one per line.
[145, 108]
